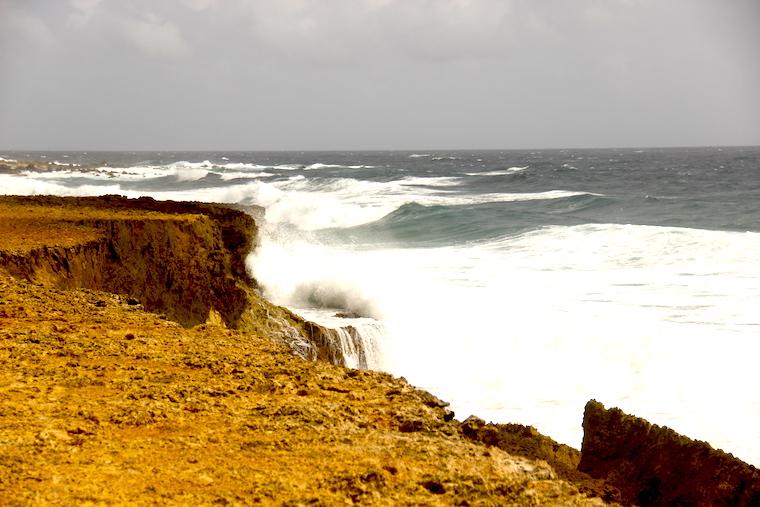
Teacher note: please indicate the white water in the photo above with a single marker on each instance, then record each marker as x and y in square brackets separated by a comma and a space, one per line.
[661, 322]
[504, 172]
[658, 321]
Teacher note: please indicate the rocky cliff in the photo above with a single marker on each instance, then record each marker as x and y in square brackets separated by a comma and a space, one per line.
[655, 466]
[184, 260]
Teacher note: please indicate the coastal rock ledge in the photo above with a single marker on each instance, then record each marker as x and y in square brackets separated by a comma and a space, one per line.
[183, 260]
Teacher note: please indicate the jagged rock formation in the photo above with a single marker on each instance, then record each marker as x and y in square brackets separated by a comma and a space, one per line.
[526, 441]
[655, 466]
[184, 260]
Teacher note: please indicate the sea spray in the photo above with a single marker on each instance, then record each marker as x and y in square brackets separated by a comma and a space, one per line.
[529, 327]
[357, 340]
[323, 285]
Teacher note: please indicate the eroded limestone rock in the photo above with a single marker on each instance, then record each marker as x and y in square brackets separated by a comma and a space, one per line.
[655, 466]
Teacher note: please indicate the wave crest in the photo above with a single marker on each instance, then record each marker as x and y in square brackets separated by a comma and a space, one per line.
[334, 295]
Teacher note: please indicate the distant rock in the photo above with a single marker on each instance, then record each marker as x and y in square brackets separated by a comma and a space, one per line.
[348, 315]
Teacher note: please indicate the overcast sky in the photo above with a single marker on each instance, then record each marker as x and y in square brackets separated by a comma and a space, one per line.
[378, 74]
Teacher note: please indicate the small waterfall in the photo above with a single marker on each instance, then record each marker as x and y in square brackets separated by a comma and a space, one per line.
[359, 345]
[356, 345]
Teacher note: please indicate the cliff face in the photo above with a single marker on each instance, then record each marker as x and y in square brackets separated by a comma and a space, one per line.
[655, 466]
[180, 259]
[175, 258]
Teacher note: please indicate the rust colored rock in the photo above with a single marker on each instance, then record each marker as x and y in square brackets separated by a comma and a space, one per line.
[655, 466]
[182, 259]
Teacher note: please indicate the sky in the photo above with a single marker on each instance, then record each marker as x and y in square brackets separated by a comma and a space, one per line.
[377, 74]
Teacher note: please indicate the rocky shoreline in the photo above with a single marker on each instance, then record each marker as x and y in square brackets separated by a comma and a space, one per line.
[140, 364]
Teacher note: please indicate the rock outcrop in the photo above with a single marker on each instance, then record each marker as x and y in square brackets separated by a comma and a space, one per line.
[184, 260]
[522, 440]
[654, 466]
[180, 259]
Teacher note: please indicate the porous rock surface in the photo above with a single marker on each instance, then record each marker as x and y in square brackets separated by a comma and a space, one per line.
[655, 466]
[102, 402]
[522, 440]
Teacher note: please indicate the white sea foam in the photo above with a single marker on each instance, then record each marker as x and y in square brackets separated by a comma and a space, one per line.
[244, 166]
[431, 181]
[320, 165]
[419, 155]
[135, 173]
[502, 197]
[503, 172]
[19, 185]
[346, 202]
[489, 320]
[190, 173]
[181, 171]
[233, 175]
[7, 159]
[51, 175]
[370, 200]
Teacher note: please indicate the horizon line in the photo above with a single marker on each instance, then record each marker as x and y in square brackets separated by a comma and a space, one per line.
[344, 150]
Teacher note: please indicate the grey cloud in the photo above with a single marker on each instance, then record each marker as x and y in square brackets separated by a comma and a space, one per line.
[156, 37]
[315, 74]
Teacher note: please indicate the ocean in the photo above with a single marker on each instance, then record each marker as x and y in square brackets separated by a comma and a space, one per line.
[515, 284]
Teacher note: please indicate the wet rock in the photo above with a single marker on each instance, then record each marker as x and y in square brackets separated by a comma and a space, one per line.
[654, 466]
[348, 315]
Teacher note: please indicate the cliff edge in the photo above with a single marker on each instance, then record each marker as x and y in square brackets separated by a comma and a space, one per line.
[184, 260]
